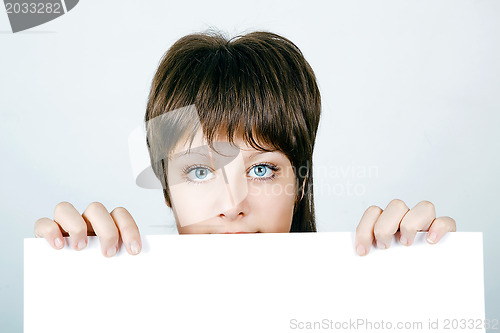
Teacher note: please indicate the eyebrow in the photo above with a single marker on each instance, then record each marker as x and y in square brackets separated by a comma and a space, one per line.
[188, 153]
[260, 152]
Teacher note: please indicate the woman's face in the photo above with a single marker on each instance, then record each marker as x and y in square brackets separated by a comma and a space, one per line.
[231, 190]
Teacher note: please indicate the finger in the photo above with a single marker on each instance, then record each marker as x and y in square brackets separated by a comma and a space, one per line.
[364, 231]
[418, 218]
[128, 230]
[439, 228]
[388, 223]
[48, 229]
[70, 220]
[104, 227]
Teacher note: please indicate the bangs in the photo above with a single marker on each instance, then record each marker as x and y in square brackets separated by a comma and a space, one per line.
[246, 87]
[239, 95]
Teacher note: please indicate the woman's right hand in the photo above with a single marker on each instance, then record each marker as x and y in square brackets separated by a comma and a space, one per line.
[112, 228]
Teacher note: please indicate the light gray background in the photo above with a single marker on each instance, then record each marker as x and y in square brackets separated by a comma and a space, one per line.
[410, 95]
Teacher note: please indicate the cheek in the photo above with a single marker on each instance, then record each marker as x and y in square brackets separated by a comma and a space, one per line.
[196, 203]
[273, 205]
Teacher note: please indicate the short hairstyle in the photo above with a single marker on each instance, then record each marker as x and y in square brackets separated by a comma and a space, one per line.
[256, 86]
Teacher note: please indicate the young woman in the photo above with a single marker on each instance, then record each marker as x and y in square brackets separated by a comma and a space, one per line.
[231, 126]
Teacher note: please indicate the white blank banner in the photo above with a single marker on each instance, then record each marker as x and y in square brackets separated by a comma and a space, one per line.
[311, 282]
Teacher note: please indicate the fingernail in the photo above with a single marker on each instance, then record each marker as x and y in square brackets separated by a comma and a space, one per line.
[111, 251]
[403, 240]
[58, 243]
[360, 250]
[135, 248]
[81, 244]
[381, 245]
[432, 238]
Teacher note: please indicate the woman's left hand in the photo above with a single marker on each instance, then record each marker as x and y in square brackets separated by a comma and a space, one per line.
[378, 226]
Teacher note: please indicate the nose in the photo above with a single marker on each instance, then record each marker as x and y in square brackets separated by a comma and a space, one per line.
[233, 199]
[237, 212]
[236, 190]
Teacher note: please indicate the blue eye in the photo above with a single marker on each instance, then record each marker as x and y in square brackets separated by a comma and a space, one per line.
[199, 174]
[261, 171]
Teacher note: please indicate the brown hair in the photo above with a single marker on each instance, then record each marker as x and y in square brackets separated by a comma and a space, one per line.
[257, 86]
